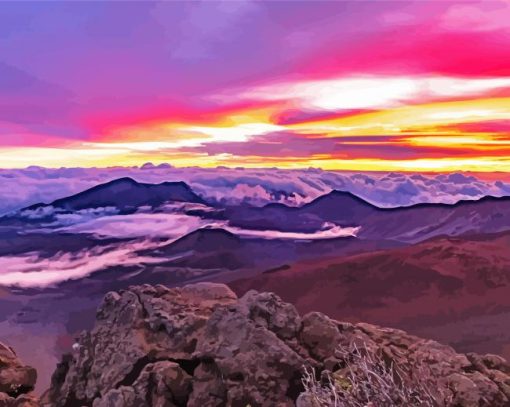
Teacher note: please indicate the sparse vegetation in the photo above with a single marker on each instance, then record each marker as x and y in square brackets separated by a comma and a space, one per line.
[368, 379]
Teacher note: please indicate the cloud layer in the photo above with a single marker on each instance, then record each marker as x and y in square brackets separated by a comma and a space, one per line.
[20, 188]
[30, 270]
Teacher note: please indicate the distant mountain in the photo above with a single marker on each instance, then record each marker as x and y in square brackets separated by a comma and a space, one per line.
[210, 248]
[125, 194]
[441, 288]
[406, 224]
[423, 221]
[342, 208]
[216, 253]
[207, 249]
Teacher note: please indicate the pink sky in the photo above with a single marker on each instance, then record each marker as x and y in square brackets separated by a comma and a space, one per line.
[422, 86]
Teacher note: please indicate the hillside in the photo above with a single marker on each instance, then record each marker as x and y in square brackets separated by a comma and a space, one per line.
[439, 288]
[407, 224]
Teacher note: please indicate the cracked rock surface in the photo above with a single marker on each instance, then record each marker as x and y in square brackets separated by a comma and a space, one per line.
[200, 345]
[16, 380]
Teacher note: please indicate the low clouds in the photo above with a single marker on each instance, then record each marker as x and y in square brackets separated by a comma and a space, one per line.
[21, 188]
[30, 270]
[329, 232]
[372, 92]
[139, 225]
[151, 232]
[227, 186]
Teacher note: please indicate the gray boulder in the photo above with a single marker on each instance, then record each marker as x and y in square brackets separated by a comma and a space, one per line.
[200, 345]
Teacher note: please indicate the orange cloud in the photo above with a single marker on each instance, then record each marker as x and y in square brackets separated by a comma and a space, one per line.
[363, 124]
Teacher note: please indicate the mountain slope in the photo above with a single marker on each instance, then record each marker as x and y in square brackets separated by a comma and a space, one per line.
[440, 282]
[125, 194]
[406, 224]
[219, 250]
[342, 208]
[422, 221]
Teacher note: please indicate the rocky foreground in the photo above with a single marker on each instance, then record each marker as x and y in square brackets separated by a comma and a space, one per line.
[16, 379]
[200, 345]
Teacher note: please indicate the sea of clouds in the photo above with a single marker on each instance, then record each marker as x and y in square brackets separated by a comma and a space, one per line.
[34, 270]
[144, 231]
[22, 187]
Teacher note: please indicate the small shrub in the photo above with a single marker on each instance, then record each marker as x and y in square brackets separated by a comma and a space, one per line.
[368, 380]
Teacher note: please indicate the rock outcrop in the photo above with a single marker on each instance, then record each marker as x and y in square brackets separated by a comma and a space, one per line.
[16, 380]
[200, 345]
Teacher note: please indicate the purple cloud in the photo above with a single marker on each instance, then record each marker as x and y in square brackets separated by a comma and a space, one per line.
[20, 188]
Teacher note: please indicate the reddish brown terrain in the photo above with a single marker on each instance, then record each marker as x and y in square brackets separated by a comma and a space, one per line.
[452, 289]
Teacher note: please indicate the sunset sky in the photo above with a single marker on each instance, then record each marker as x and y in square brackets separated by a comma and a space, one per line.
[359, 85]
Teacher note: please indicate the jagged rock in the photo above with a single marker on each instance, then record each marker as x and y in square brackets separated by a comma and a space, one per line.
[164, 383]
[136, 327]
[201, 346]
[464, 380]
[242, 339]
[209, 388]
[320, 335]
[21, 401]
[16, 379]
[160, 384]
[270, 311]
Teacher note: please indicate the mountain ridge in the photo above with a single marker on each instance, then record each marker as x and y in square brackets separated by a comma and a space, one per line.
[408, 224]
[121, 193]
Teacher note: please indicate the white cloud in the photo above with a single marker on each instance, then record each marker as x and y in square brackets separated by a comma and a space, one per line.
[20, 188]
[369, 91]
[332, 232]
[239, 133]
[169, 225]
[30, 270]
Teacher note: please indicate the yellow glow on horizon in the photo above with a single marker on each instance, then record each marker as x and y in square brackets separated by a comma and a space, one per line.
[95, 157]
[54, 157]
[431, 125]
[401, 119]
[474, 141]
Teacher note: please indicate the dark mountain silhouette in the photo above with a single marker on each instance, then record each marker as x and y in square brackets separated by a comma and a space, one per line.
[343, 208]
[204, 240]
[207, 249]
[419, 222]
[407, 224]
[125, 194]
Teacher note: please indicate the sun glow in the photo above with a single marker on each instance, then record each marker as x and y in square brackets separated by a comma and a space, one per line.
[413, 114]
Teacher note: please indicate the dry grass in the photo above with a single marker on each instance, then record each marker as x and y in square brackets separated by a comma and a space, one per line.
[368, 380]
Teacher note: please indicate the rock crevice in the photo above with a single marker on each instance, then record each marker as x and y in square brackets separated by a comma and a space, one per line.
[200, 345]
[16, 380]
